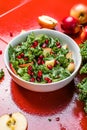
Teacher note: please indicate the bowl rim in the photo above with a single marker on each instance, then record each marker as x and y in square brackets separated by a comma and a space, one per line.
[36, 30]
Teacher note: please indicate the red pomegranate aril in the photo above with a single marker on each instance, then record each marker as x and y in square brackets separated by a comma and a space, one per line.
[25, 58]
[48, 80]
[38, 79]
[30, 68]
[32, 79]
[29, 72]
[46, 41]
[32, 73]
[35, 43]
[58, 43]
[11, 34]
[22, 55]
[19, 57]
[44, 45]
[56, 62]
[49, 67]
[42, 62]
[0, 52]
[39, 74]
[41, 56]
[59, 46]
[39, 61]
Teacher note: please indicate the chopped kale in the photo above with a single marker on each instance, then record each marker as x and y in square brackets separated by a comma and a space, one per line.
[1, 73]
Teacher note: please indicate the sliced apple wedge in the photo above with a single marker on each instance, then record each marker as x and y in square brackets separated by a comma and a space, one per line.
[47, 22]
[69, 55]
[46, 50]
[65, 46]
[15, 121]
[50, 62]
[71, 67]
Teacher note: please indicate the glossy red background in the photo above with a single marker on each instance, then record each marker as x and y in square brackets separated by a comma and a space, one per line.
[59, 110]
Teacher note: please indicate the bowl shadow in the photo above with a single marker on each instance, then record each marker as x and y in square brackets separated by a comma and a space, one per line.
[46, 103]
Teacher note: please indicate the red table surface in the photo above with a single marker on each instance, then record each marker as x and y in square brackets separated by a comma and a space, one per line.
[58, 110]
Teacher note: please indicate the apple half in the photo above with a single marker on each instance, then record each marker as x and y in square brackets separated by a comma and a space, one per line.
[15, 121]
[47, 22]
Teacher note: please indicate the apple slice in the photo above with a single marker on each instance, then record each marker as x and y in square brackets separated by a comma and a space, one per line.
[69, 55]
[47, 22]
[15, 121]
[46, 50]
[65, 46]
[50, 62]
[71, 67]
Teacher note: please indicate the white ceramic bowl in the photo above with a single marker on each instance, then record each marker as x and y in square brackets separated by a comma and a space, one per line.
[48, 86]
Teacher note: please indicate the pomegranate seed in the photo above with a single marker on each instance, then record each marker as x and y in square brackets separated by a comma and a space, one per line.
[42, 62]
[19, 56]
[57, 119]
[35, 44]
[46, 41]
[22, 55]
[11, 34]
[56, 62]
[57, 43]
[39, 74]
[30, 68]
[49, 67]
[38, 79]
[39, 61]
[0, 52]
[32, 73]
[44, 45]
[29, 72]
[32, 79]
[48, 80]
[25, 58]
[41, 56]
[59, 46]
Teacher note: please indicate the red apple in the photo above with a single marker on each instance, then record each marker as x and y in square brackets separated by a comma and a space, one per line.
[70, 25]
[83, 35]
[79, 11]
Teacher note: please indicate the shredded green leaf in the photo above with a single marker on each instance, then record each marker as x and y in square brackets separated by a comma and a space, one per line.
[1, 73]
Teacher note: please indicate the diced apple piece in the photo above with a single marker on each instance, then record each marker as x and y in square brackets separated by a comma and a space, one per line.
[65, 46]
[69, 55]
[46, 50]
[47, 22]
[15, 121]
[51, 62]
[71, 67]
